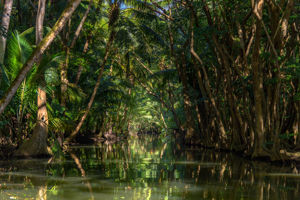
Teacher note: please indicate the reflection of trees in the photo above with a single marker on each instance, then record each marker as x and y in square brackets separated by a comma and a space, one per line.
[79, 166]
[151, 168]
[24, 179]
[42, 193]
[236, 178]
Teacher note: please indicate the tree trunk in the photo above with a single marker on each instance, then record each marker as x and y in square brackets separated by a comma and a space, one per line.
[38, 52]
[190, 123]
[107, 50]
[4, 26]
[258, 84]
[39, 140]
[80, 68]
[80, 26]
[64, 80]
[131, 79]
[65, 66]
[206, 88]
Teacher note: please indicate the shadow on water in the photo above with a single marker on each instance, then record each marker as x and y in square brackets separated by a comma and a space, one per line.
[147, 167]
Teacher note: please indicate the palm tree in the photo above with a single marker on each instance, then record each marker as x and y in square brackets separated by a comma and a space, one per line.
[38, 52]
[113, 18]
[37, 145]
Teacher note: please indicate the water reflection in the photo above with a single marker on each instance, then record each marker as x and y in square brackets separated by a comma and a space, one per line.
[146, 168]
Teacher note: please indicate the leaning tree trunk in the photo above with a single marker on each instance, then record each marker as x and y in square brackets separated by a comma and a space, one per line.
[65, 66]
[4, 26]
[38, 52]
[206, 87]
[107, 50]
[114, 15]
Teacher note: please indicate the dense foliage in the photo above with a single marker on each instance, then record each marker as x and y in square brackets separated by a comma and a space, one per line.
[222, 74]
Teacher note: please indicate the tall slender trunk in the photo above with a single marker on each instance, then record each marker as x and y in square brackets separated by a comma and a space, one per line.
[107, 50]
[38, 52]
[258, 83]
[64, 81]
[190, 124]
[172, 55]
[39, 139]
[172, 109]
[42, 114]
[65, 65]
[279, 42]
[4, 26]
[80, 68]
[130, 78]
[206, 88]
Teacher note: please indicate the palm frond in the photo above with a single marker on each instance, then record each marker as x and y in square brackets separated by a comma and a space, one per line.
[75, 94]
[46, 62]
[18, 51]
[153, 36]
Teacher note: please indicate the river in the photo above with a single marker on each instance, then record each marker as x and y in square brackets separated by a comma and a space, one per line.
[146, 168]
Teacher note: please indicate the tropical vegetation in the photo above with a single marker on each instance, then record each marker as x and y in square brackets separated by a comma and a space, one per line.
[217, 73]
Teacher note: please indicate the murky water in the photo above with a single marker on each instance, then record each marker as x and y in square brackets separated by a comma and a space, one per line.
[144, 169]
